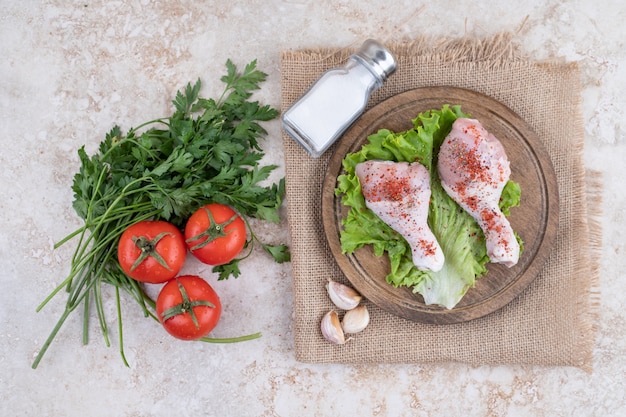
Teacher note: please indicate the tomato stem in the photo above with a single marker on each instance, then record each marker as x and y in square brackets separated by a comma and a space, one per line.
[185, 307]
[148, 249]
[214, 231]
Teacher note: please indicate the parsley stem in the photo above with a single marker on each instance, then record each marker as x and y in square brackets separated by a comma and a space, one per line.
[100, 311]
[86, 320]
[146, 208]
[52, 294]
[230, 339]
[84, 255]
[51, 337]
[151, 122]
[131, 134]
[119, 325]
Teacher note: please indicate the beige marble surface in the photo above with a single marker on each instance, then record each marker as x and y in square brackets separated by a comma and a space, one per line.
[69, 70]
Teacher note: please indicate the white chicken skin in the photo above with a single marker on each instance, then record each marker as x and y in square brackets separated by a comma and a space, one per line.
[473, 168]
[399, 194]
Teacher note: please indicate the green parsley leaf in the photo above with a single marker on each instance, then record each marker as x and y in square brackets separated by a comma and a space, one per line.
[280, 253]
[227, 270]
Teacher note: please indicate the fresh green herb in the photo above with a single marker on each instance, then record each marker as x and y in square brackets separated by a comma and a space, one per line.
[207, 151]
[460, 237]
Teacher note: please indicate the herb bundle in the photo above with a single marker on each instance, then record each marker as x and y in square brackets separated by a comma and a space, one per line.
[207, 151]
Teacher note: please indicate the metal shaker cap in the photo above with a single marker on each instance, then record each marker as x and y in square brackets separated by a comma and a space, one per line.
[378, 57]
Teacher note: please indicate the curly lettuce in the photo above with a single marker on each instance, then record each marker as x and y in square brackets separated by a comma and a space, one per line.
[458, 234]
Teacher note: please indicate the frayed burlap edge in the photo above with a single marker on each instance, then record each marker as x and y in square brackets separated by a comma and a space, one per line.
[591, 296]
[588, 298]
[500, 48]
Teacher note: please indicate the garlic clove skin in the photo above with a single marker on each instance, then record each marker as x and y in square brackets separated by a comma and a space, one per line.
[331, 328]
[355, 320]
[343, 296]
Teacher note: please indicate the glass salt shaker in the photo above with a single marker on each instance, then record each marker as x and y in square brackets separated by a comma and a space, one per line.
[334, 102]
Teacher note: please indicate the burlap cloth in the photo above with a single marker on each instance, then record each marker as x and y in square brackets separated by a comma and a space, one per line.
[552, 322]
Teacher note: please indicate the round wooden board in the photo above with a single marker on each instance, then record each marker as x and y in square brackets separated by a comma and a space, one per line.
[536, 220]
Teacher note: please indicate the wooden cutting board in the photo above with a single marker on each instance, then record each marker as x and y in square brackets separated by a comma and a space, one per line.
[536, 220]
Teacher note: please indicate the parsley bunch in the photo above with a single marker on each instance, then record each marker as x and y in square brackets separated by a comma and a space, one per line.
[207, 151]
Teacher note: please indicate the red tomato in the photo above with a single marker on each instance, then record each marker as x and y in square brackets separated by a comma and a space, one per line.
[215, 234]
[152, 251]
[188, 307]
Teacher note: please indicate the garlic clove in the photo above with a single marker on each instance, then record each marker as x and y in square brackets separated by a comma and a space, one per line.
[331, 328]
[356, 320]
[343, 296]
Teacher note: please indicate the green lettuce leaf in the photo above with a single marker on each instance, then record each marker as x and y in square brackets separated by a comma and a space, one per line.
[460, 237]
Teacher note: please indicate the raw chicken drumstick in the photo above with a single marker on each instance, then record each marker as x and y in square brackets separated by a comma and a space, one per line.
[399, 194]
[474, 169]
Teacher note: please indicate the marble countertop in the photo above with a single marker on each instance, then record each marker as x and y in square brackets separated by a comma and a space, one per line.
[69, 71]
